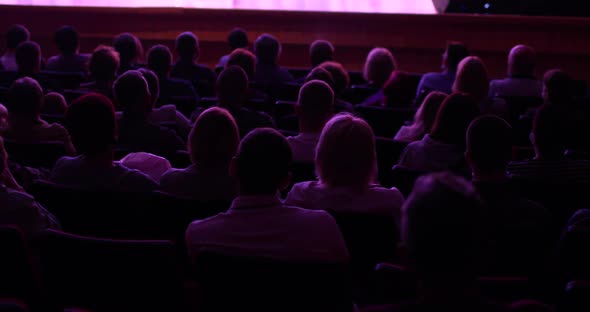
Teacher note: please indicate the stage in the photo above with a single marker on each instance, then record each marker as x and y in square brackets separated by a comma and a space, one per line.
[364, 6]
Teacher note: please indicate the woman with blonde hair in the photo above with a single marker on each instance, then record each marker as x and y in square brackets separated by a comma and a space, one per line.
[212, 144]
[346, 163]
[423, 120]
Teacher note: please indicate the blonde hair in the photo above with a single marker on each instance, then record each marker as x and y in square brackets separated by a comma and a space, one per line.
[345, 154]
[379, 65]
[472, 78]
[214, 139]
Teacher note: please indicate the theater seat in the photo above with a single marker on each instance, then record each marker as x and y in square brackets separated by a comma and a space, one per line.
[109, 275]
[36, 155]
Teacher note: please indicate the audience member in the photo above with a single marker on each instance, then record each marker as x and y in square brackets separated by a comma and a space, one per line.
[443, 81]
[521, 75]
[320, 51]
[25, 98]
[188, 51]
[212, 144]
[54, 104]
[237, 39]
[19, 208]
[130, 51]
[443, 148]
[268, 71]
[136, 132]
[315, 107]
[91, 121]
[68, 60]
[346, 163]
[379, 65]
[160, 60]
[28, 59]
[15, 35]
[258, 220]
[423, 119]
[103, 66]
[518, 228]
[341, 83]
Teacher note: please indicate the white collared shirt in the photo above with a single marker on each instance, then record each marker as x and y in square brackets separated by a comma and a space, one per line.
[303, 146]
[262, 226]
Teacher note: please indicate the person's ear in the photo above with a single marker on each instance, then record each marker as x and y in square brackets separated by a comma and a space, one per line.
[286, 182]
[233, 167]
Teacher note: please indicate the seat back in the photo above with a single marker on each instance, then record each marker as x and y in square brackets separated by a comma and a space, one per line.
[239, 283]
[109, 275]
[36, 155]
[18, 279]
[385, 121]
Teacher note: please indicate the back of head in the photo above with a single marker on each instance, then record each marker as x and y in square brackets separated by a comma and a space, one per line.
[25, 98]
[262, 162]
[187, 46]
[440, 227]
[557, 88]
[267, 49]
[15, 35]
[28, 57]
[426, 113]
[454, 54]
[315, 105]
[489, 144]
[378, 66]
[159, 60]
[153, 83]
[321, 51]
[232, 87]
[214, 139]
[521, 61]
[345, 154]
[244, 59]
[54, 103]
[339, 74]
[472, 78]
[237, 38]
[66, 39]
[398, 89]
[90, 120]
[321, 74]
[104, 64]
[550, 132]
[132, 93]
[453, 117]
[127, 46]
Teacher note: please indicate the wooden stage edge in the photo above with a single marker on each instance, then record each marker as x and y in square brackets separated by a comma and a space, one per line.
[417, 41]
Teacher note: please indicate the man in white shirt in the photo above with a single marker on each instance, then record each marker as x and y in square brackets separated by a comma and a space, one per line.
[258, 223]
[520, 80]
[314, 108]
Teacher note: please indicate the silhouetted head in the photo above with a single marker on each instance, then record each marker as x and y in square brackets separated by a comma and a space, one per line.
[521, 61]
[214, 139]
[15, 35]
[489, 146]
[159, 59]
[345, 154]
[378, 66]
[244, 59]
[237, 38]
[454, 54]
[90, 121]
[262, 162]
[232, 87]
[153, 84]
[321, 51]
[187, 46]
[67, 40]
[25, 97]
[550, 133]
[104, 64]
[267, 49]
[472, 78]
[28, 58]
[315, 106]
[132, 94]
[455, 114]
[339, 75]
[129, 48]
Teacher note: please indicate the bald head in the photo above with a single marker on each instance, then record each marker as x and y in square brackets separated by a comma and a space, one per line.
[521, 61]
[314, 106]
[321, 51]
[232, 87]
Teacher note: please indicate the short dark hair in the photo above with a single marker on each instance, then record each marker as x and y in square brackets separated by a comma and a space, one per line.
[159, 59]
[232, 87]
[456, 52]
[25, 97]
[339, 74]
[104, 63]
[153, 83]
[90, 121]
[489, 143]
[28, 57]
[453, 118]
[551, 132]
[128, 47]
[321, 51]
[187, 45]
[237, 38]
[267, 49]
[245, 59]
[66, 39]
[15, 35]
[132, 92]
[263, 161]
